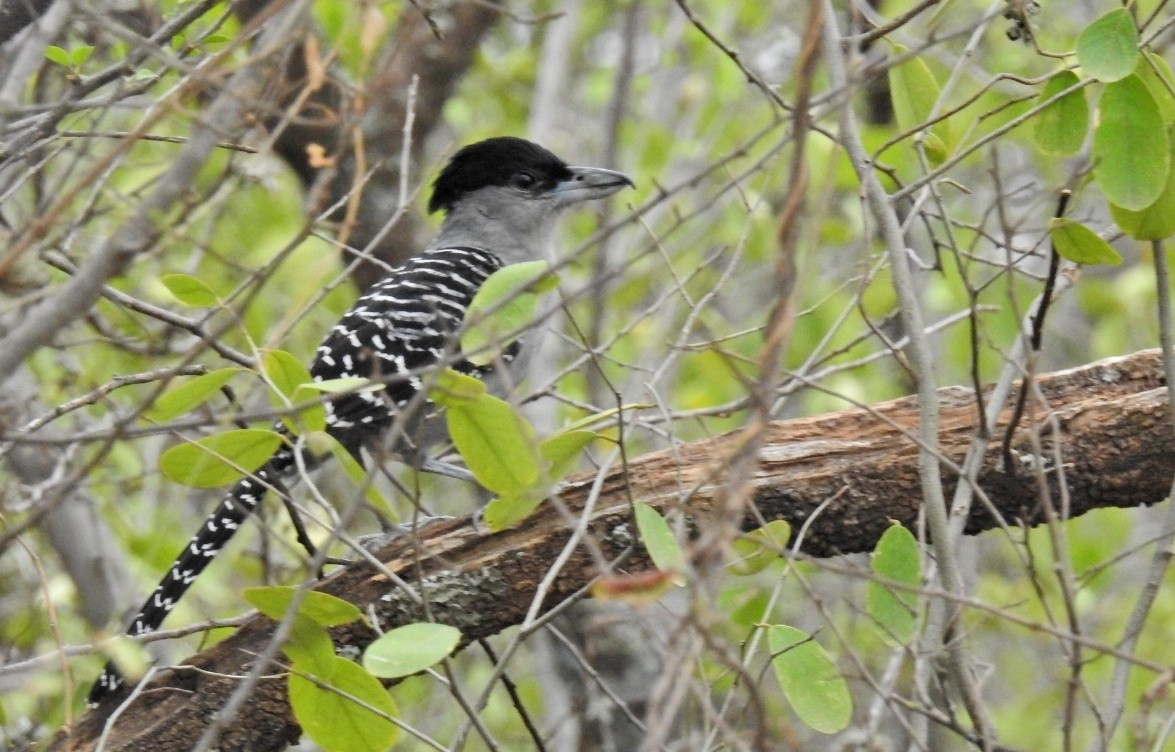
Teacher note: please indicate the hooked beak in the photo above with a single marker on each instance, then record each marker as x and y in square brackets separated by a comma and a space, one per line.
[587, 183]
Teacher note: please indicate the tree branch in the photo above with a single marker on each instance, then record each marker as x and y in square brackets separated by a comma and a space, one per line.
[1115, 438]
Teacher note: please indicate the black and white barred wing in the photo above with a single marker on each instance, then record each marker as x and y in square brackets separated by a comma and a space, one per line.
[403, 326]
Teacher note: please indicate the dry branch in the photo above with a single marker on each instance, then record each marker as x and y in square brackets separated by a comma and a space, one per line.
[1114, 434]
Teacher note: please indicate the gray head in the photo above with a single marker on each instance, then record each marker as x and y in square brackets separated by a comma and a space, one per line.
[506, 194]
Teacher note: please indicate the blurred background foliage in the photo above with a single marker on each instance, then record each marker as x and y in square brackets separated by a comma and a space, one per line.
[675, 298]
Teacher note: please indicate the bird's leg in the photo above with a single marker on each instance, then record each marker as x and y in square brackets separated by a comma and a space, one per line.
[440, 467]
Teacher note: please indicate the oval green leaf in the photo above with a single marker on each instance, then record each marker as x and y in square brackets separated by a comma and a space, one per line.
[338, 386]
[221, 459]
[321, 608]
[309, 646]
[284, 372]
[410, 649]
[336, 722]
[189, 290]
[286, 376]
[914, 90]
[1108, 47]
[758, 549]
[187, 395]
[896, 558]
[659, 540]
[1155, 222]
[810, 679]
[1081, 245]
[1060, 127]
[1160, 81]
[506, 511]
[562, 450]
[503, 308]
[1130, 145]
[497, 443]
[57, 55]
[454, 388]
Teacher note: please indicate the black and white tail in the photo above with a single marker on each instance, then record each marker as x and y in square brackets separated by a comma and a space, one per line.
[214, 535]
[399, 329]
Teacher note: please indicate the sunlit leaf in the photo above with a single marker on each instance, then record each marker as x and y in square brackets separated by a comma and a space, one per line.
[57, 55]
[914, 91]
[1108, 47]
[896, 558]
[811, 681]
[508, 509]
[503, 307]
[453, 388]
[220, 459]
[309, 645]
[336, 722]
[189, 394]
[1155, 222]
[189, 290]
[411, 648]
[659, 540]
[562, 450]
[288, 376]
[321, 608]
[759, 548]
[1079, 244]
[497, 443]
[1061, 127]
[1130, 145]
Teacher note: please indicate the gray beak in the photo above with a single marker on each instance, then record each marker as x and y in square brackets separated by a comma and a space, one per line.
[587, 183]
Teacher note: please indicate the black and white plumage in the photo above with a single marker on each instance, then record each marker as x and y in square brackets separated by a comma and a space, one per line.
[501, 199]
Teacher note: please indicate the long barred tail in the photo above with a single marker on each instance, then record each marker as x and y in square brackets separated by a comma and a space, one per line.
[216, 532]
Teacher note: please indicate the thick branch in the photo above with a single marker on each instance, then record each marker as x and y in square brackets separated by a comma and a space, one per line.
[1115, 437]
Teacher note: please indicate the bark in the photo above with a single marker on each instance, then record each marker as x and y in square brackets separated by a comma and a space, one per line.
[1113, 428]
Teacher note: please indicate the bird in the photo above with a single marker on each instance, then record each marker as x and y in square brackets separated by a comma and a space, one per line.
[501, 199]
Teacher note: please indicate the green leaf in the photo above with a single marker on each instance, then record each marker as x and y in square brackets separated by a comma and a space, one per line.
[562, 450]
[810, 679]
[914, 90]
[221, 459]
[1060, 128]
[1079, 244]
[603, 415]
[1160, 81]
[410, 649]
[79, 55]
[1108, 48]
[309, 645]
[455, 388]
[338, 386]
[508, 509]
[1155, 222]
[187, 395]
[503, 307]
[336, 722]
[897, 558]
[759, 548]
[497, 443]
[321, 608]
[287, 376]
[659, 540]
[1130, 145]
[285, 372]
[189, 290]
[57, 55]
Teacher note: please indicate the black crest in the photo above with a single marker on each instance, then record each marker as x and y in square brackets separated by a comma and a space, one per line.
[495, 161]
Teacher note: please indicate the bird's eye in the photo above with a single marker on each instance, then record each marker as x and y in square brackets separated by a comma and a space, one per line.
[523, 180]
